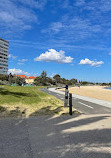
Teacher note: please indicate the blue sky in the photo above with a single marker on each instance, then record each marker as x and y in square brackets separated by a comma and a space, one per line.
[68, 37]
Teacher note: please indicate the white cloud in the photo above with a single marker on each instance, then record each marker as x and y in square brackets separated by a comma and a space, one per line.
[20, 63]
[23, 60]
[102, 6]
[18, 72]
[54, 28]
[86, 61]
[39, 4]
[53, 56]
[109, 53]
[15, 18]
[58, 43]
[80, 2]
[73, 28]
[12, 56]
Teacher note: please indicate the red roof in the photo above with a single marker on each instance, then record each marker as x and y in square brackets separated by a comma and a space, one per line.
[32, 77]
[22, 76]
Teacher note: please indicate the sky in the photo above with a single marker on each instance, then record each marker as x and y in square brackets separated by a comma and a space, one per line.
[67, 37]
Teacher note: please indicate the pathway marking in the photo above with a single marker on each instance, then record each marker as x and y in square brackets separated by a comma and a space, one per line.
[86, 105]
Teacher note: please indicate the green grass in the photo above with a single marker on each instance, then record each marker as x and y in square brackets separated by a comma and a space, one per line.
[24, 95]
[30, 101]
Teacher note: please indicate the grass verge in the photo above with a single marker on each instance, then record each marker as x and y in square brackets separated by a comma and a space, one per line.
[28, 101]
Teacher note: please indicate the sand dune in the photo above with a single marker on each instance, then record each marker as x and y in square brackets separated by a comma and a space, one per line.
[97, 92]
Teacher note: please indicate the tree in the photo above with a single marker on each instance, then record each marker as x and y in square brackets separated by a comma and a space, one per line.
[104, 84]
[73, 81]
[3, 77]
[64, 81]
[43, 77]
[44, 80]
[20, 81]
[10, 78]
[49, 80]
[110, 84]
[38, 81]
[57, 78]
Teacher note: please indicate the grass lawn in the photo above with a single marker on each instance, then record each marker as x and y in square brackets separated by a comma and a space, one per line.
[28, 101]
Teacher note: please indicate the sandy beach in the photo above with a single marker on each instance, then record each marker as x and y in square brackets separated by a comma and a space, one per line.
[97, 92]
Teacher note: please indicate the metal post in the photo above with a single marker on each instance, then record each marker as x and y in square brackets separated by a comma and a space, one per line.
[70, 103]
[66, 96]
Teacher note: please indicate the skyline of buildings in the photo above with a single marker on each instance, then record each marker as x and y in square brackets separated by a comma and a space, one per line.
[4, 47]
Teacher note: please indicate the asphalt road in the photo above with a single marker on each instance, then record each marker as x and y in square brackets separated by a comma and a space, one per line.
[83, 106]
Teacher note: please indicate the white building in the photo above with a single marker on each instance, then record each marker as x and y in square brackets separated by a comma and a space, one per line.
[4, 45]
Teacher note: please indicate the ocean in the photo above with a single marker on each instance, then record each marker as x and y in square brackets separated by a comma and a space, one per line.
[107, 87]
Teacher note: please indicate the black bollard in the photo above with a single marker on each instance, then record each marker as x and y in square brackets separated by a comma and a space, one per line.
[66, 96]
[70, 103]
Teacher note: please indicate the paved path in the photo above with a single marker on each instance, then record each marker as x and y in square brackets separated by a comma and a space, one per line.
[76, 136]
[86, 105]
[83, 136]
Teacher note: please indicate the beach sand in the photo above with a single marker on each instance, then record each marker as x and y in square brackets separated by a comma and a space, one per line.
[97, 92]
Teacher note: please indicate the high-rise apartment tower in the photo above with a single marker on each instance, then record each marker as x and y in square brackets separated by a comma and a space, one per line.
[4, 46]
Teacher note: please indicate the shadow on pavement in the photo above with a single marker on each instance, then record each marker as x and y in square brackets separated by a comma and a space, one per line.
[56, 137]
[65, 136]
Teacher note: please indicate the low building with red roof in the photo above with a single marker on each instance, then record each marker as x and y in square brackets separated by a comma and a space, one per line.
[28, 80]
